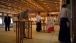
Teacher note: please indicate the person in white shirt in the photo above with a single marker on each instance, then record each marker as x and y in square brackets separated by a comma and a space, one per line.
[38, 22]
[64, 22]
[14, 23]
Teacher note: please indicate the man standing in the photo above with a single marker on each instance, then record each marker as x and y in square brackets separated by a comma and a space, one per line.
[64, 23]
[24, 16]
[7, 21]
[38, 22]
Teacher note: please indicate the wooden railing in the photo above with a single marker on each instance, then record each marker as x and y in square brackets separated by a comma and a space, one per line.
[19, 30]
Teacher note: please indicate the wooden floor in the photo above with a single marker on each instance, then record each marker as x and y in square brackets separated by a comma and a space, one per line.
[38, 37]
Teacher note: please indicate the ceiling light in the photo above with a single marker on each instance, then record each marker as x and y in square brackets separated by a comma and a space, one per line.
[28, 0]
[22, 0]
[15, 3]
[44, 3]
[19, 10]
[37, 5]
[55, 2]
[19, 7]
[56, 7]
[41, 0]
[8, 0]
[36, 9]
[52, 13]
[48, 7]
[1, 1]
[34, 3]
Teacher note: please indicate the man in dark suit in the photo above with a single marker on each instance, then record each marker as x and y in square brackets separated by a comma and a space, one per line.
[7, 21]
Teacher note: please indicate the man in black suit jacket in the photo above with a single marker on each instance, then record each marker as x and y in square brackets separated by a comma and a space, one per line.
[7, 21]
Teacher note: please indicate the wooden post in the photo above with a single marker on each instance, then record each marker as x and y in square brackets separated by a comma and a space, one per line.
[19, 31]
[74, 19]
[29, 29]
[43, 25]
[44, 29]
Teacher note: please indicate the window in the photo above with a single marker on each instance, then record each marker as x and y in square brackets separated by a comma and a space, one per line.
[5, 14]
[10, 15]
[0, 20]
[11, 20]
[0, 14]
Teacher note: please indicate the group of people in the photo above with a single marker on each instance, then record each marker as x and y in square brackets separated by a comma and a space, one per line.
[49, 24]
[22, 16]
[64, 19]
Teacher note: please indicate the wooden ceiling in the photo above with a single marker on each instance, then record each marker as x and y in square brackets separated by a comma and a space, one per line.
[16, 6]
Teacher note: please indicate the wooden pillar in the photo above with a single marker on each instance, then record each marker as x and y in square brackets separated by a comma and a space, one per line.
[69, 6]
[28, 29]
[43, 24]
[74, 19]
[19, 31]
